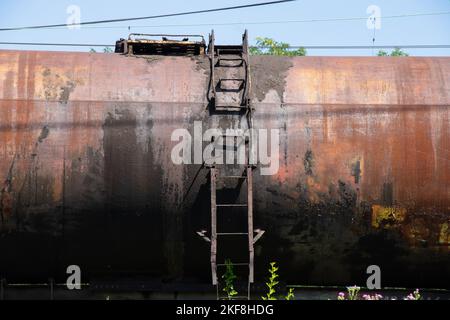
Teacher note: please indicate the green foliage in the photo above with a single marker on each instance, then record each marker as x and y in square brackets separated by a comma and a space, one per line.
[268, 46]
[352, 294]
[272, 282]
[229, 276]
[105, 50]
[397, 52]
[414, 296]
[290, 295]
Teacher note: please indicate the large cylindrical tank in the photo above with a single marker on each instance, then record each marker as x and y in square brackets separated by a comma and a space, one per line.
[87, 177]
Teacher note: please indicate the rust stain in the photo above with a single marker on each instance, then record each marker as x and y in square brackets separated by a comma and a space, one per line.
[57, 87]
[387, 217]
[444, 234]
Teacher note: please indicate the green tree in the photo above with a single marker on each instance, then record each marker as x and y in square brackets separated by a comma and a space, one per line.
[397, 52]
[268, 46]
[105, 50]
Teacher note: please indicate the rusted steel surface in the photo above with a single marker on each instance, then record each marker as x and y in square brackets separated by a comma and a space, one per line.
[166, 46]
[86, 175]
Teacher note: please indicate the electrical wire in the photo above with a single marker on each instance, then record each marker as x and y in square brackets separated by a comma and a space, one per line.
[259, 22]
[408, 46]
[150, 17]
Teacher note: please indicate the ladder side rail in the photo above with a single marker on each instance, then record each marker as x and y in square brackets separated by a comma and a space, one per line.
[250, 222]
[245, 58]
[213, 63]
[213, 226]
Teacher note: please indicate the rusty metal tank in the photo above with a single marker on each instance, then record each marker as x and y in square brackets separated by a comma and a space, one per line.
[87, 178]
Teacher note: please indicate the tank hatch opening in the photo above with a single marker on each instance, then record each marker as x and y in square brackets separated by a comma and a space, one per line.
[162, 44]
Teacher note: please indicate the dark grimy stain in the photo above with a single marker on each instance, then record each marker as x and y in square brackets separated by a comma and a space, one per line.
[66, 91]
[56, 88]
[149, 58]
[321, 230]
[276, 193]
[31, 199]
[385, 248]
[347, 193]
[6, 197]
[269, 72]
[134, 199]
[308, 162]
[356, 171]
[202, 64]
[46, 72]
[44, 134]
[387, 194]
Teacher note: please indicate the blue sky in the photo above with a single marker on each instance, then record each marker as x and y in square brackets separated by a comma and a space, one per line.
[410, 30]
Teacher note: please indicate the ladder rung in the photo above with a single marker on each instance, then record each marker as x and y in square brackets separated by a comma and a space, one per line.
[232, 233]
[231, 85]
[238, 49]
[230, 59]
[235, 107]
[234, 264]
[224, 57]
[231, 205]
[230, 79]
[228, 99]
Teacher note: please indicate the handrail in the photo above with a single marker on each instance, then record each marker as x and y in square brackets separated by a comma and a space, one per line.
[166, 35]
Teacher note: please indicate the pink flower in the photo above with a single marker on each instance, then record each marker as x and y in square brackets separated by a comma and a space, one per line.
[341, 296]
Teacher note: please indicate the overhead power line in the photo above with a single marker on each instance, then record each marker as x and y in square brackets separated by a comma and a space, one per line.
[408, 46]
[266, 22]
[345, 47]
[151, 17]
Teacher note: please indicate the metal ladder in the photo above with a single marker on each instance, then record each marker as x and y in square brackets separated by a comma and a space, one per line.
[230, 96]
